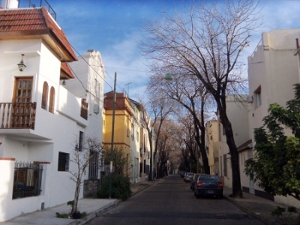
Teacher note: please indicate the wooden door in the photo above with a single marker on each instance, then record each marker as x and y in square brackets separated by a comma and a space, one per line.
[22, 106]
[23, 90]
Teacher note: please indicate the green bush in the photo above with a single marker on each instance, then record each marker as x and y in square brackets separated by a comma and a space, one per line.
[120, 187]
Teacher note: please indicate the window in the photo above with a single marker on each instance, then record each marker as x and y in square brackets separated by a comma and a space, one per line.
[225, 165]
[257, 97]
[80, 141]
[221, 166]
[97, 97]
[52, 100]
[45, 96]
[137, 136]
[128, 124]
[132, 131]
[93, 165]
[63, 161]
[27, 180]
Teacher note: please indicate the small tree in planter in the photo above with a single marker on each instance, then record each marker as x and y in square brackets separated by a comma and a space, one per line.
[83, 154]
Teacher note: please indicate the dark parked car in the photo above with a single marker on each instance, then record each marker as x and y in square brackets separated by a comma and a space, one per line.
[181, 173]
[194, 179]
[188, 177]
[208, 185]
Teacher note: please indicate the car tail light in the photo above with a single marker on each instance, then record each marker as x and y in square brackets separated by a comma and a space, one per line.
[220, 184]
[200, 184]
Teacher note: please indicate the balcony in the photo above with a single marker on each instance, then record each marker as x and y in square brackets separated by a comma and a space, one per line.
[17, 115]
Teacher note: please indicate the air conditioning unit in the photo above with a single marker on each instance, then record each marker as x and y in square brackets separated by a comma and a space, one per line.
[250, 99]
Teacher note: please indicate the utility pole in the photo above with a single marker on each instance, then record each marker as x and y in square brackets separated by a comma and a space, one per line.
[112, 134]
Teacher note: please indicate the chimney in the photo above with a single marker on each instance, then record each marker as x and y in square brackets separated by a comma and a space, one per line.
[10, 4]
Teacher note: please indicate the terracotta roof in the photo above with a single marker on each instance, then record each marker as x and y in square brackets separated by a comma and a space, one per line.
[35, 23]
[66, 72]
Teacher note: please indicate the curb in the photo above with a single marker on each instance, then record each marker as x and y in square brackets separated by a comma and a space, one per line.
[95, 213]
[143, 188]
[250, 212]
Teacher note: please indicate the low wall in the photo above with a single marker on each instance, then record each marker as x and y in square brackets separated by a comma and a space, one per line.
[91, 187]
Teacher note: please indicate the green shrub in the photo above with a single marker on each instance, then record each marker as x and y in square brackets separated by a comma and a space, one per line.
[120, 187]
[61, 215]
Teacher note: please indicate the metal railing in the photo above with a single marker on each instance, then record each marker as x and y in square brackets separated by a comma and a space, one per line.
[44, 3]
[17, 115]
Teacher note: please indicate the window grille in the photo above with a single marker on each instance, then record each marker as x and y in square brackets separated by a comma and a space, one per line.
[93, 165]
[27, 179]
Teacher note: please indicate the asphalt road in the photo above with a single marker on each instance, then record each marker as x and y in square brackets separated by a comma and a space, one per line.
[172, 202]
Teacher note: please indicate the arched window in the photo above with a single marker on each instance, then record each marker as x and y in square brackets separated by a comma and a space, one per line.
[52, 100]
[45, 95]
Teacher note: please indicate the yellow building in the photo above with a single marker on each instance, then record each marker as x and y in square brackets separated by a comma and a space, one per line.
[123, 113]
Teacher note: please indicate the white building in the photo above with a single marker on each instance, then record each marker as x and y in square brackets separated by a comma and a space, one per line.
[139, 145]
[40, 120]
[237, 112]
[273, 69]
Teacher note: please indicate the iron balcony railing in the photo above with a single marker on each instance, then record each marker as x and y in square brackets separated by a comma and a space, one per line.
[17, 115]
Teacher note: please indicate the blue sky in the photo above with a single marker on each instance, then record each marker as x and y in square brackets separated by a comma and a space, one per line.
[113, 27]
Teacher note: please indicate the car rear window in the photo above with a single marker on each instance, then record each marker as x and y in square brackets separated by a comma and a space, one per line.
[209, 177]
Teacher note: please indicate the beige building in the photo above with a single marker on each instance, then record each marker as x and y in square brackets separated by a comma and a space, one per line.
[212, 145]
[237, 112]
[273, 68]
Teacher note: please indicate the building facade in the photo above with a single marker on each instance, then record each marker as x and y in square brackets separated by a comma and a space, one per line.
[237, 112]
[41, 121]
[212, 145]
[273, 69]
[130, 136]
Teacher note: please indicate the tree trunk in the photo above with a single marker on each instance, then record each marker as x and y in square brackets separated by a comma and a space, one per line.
[76, 196]
[236, 179]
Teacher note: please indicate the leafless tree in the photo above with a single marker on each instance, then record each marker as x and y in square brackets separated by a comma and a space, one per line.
[192, 95]
[83, 156]
[206, 42]
[159, 110]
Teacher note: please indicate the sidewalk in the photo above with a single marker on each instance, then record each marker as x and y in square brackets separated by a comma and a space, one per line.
[254, 206]
[257, 207]
[92, 207]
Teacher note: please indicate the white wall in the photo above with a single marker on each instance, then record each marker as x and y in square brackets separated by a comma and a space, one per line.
[237, 112]
[274, 67]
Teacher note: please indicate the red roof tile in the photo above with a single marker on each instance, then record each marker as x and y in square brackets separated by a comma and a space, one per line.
[33, 23]
[66, 72]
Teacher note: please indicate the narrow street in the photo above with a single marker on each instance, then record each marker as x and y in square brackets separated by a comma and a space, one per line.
[171, 202]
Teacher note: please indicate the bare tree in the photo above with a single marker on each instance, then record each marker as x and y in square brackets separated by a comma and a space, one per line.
[84, 155]
[192, 95]
[206, 42]
[159, 109]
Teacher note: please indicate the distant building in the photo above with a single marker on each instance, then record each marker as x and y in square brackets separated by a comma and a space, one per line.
[212, 145]
[237, 112]
[130, 136]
